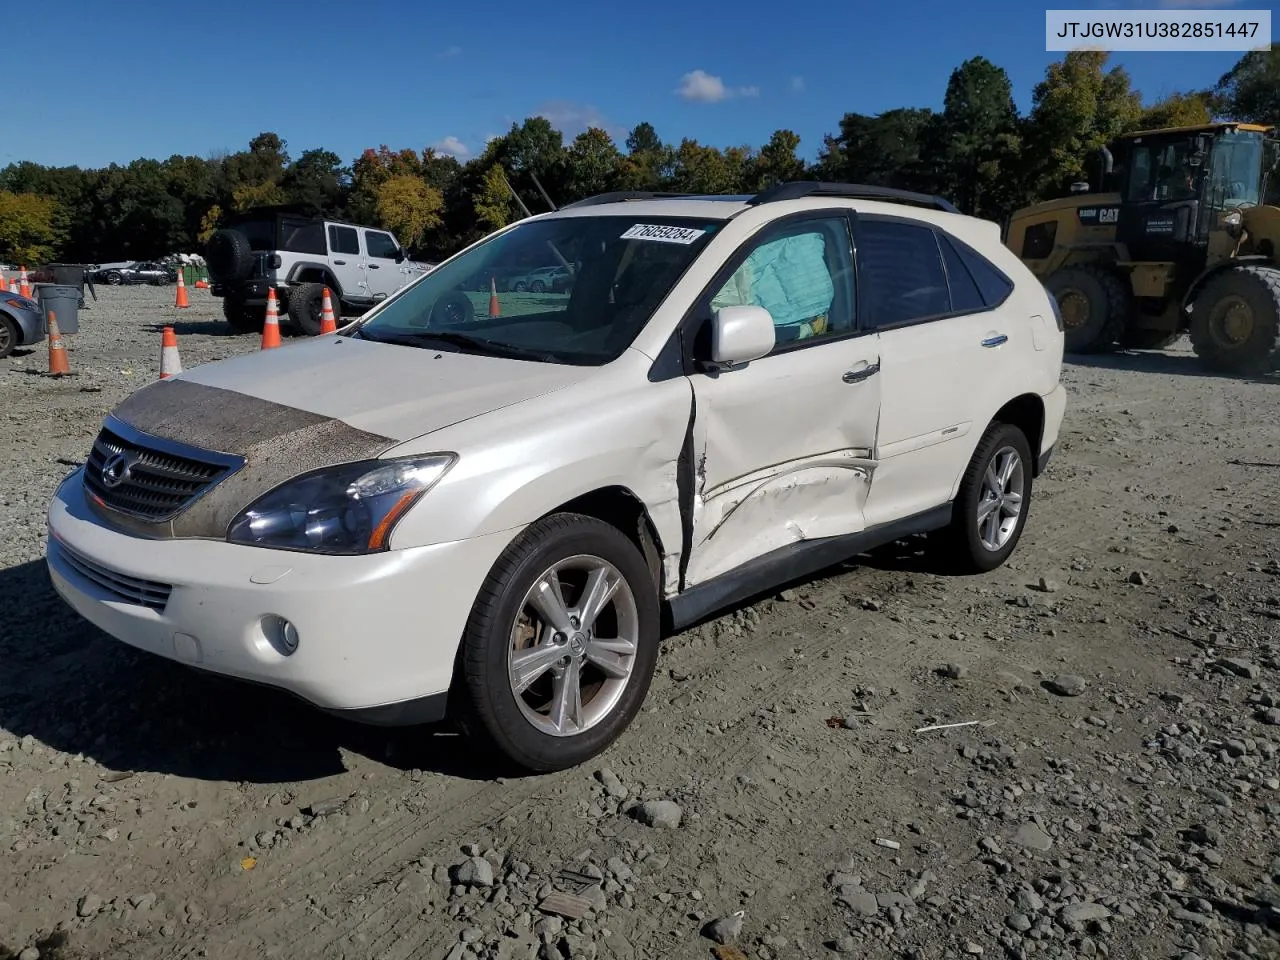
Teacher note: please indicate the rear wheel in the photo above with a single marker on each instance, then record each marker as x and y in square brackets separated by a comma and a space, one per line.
[561, 645]
[306, 307]
[991, 508]
[1235, 321]
[1094, 304]
[243, 318]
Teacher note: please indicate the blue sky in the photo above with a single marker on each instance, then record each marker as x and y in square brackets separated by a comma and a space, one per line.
[117, 81]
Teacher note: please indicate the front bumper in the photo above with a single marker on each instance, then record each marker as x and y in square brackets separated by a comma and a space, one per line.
[377, 635]
[31, 327]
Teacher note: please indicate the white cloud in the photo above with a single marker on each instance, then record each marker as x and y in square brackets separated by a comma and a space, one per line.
[448, 53]
[453, 147]
[797, 84]
[572, 118]
[698, 86]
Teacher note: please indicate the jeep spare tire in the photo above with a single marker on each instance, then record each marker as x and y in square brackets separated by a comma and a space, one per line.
[229, 256]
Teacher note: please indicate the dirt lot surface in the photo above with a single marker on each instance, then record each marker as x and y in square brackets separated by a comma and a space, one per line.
[1120, 795]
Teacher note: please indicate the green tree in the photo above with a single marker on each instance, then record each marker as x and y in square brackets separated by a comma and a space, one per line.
[702, 169]
[592, 162]
[648, 163]
[409, 208]
[971, 149]
[881, 150]
[1250, 91]
[1077, 108]
[776, 163]
[316, 181]
[28, 230]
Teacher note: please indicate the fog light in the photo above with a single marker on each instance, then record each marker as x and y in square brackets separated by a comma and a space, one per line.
[281, 634]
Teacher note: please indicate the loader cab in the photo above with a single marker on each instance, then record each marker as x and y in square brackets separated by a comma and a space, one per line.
[1176, 185]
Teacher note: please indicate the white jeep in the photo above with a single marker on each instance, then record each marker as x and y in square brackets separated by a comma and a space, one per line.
[494, 514]
[298, 256]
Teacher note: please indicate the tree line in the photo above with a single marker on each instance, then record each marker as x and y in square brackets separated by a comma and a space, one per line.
[978, 151]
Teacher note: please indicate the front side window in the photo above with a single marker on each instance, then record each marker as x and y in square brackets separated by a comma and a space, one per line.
[1162, 171]
[380, 245]
[620, 268]
[803, 275]
[344, 240]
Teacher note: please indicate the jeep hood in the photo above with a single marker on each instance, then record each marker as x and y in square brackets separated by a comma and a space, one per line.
[316, 403]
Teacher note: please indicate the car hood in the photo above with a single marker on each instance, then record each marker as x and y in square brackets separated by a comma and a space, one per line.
[309, 405]
[396, 391]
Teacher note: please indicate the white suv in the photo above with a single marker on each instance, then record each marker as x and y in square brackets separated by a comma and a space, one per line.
[495, 515]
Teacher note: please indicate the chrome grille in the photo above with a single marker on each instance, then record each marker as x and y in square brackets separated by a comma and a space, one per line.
[144, 593]
[156, 479]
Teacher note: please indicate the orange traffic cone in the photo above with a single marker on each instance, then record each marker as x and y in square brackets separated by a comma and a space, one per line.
[494, 309]
[58, 363]
[24, 287]
[4, 287]
[328, 323]
[182, 301]
[271, 329]
[170, 360]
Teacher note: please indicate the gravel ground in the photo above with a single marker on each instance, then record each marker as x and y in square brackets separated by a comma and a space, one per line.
[1118, 795]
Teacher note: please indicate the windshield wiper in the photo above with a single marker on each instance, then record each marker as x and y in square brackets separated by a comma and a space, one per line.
[473, 344]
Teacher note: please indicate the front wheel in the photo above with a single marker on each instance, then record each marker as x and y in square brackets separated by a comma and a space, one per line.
[991, 508]
[8, 336]
[1235, 321]
[561, 645]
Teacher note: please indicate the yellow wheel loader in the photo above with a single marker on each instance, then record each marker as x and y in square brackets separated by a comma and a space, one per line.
[1183, 237]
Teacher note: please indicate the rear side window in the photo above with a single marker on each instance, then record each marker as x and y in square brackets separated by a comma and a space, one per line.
[994, 286]
[344, 240]
[965, 296]
[302, 236]
[900, 269]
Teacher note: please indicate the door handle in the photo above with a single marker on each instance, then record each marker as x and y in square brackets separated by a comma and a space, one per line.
[374, 266]
[857, 376]
[339, 263]
[995, 341]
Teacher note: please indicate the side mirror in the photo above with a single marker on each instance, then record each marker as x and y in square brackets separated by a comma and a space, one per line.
[741, 334]
[401, 256]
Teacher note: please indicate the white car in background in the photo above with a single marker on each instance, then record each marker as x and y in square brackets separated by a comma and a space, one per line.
[443, 512]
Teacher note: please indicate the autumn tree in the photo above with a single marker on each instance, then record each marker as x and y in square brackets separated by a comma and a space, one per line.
[409, 208]
[28, 233]
[492, 202]
[1176, 110]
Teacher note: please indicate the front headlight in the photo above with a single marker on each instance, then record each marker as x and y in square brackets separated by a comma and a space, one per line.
[348, 509]
[1234, 222]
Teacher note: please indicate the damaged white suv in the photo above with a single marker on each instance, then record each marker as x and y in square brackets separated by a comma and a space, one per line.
[493, 510]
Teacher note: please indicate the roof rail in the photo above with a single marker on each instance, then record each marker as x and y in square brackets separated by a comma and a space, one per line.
[618, 196]
[799, 189]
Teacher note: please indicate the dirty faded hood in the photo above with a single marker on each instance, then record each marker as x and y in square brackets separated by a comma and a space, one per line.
[316, 403]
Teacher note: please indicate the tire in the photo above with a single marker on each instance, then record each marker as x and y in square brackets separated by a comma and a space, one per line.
[519, 287]
[964, 545]
[1146, 338]
[537, 287]
[114, 279]
[9, 336]
[1235, 321]
[306, 304]
[487, 705]
[243, 318]
[228, 256]
[1096, 300]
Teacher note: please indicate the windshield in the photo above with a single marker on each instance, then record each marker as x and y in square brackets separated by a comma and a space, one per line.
[1235, 171]
[567, 290]
[1271, 176]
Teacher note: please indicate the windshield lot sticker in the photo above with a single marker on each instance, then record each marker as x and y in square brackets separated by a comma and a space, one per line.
[653, 231]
